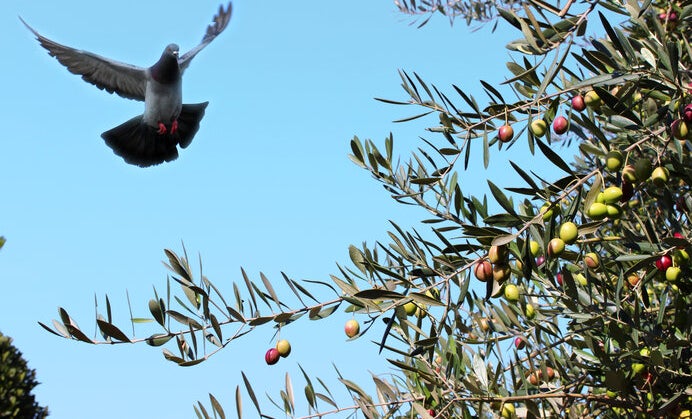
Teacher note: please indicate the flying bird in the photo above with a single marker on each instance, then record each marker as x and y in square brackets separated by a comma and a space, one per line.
[153, 137]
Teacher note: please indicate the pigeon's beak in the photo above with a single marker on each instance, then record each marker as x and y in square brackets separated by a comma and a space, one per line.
[175, 54]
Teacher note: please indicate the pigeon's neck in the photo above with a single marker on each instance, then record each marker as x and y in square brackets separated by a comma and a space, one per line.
[166, 70]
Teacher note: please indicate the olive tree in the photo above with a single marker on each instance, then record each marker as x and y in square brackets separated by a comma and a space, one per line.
[586, 276]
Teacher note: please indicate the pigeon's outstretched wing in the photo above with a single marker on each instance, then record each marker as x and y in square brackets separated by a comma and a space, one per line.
[213, 30]
[126, 80]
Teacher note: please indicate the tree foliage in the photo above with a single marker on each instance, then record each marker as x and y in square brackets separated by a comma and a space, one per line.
[17, 381]
[584, 301]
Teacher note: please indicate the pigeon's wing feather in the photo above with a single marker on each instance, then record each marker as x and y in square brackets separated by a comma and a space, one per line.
[213, 30]
[126, 80]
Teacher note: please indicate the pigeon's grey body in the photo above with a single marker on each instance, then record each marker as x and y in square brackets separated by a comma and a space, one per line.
[163, 97]
[152, 137]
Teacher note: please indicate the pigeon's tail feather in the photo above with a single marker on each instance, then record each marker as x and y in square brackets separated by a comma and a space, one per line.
[188, 122]
[139, 144]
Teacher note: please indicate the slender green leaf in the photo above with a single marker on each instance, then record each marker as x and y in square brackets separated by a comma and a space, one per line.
[217, 406]
[481, 371]
[501, 198]
[77, 334]
[269, 288]
[183, 319]
[158, 340]
[52, 331]
[157, 310]
[553, 157]
[112, 331]
[238, 402]
[251, 393]
[376, 294]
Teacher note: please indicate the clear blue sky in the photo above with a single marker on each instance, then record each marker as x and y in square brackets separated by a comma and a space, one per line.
[266, 184]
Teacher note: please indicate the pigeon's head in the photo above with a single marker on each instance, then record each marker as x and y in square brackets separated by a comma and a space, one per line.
[167, 69]
[172, 50]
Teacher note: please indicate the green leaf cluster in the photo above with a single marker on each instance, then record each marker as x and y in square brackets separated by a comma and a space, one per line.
[601, 324]
[17, 381]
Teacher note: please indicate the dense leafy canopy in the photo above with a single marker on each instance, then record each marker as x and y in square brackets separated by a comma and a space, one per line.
[16, 383]
[586, 277]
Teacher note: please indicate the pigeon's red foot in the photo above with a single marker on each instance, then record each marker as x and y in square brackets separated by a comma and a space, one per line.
[174, 126]
[162, 128]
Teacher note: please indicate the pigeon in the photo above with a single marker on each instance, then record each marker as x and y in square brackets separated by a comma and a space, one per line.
[151, 138]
